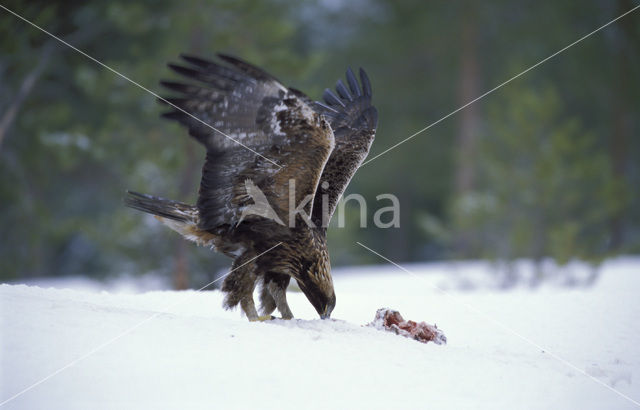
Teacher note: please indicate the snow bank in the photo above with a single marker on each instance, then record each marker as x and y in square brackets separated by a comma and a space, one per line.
[186, 352]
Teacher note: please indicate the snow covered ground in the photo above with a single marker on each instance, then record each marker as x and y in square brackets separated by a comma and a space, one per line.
[553, 347]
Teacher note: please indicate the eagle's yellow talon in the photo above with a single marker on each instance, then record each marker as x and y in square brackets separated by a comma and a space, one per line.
[262, 318]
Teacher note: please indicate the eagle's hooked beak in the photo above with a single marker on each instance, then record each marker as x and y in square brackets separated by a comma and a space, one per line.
[326, 314]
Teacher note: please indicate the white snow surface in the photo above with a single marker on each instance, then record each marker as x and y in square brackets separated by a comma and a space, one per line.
[553, 347]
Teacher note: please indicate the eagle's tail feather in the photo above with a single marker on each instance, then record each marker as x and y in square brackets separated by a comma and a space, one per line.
[178, 216]
[161, 207]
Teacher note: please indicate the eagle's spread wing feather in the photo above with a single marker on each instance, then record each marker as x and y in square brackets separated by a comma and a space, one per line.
[353, 120]
[226, 99]
[251, 107]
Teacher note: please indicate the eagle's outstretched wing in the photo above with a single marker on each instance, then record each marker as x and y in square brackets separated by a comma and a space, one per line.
[265, 136]
[353, 120]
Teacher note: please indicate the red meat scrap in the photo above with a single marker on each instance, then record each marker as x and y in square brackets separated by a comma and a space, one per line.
[392, 321]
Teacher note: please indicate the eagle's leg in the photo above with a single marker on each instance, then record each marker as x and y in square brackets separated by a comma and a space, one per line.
[249, 308]
[274, 294]
[267, 302]
[239, 286]
[279, 293]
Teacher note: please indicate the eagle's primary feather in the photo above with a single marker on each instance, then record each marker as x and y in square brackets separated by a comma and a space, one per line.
[263, 136]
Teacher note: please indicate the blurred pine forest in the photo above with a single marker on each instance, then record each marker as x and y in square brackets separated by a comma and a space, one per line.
[547, 166]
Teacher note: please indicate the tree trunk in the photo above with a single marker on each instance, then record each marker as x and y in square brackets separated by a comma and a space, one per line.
[181, 270]
[27, 85]
[621, 116]
[467, 136]
[469, 118]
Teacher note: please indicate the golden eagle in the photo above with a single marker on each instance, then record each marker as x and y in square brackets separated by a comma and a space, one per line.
[276, 165]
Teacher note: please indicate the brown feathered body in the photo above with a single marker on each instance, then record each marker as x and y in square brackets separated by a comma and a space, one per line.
[269, 144]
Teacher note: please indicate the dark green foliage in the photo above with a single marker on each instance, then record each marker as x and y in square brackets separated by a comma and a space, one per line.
[546, 188]
[556, 153]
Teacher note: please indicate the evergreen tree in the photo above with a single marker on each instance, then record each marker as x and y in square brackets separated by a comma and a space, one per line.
[546, 188]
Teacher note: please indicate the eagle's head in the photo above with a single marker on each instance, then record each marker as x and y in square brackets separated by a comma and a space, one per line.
[316, 283]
